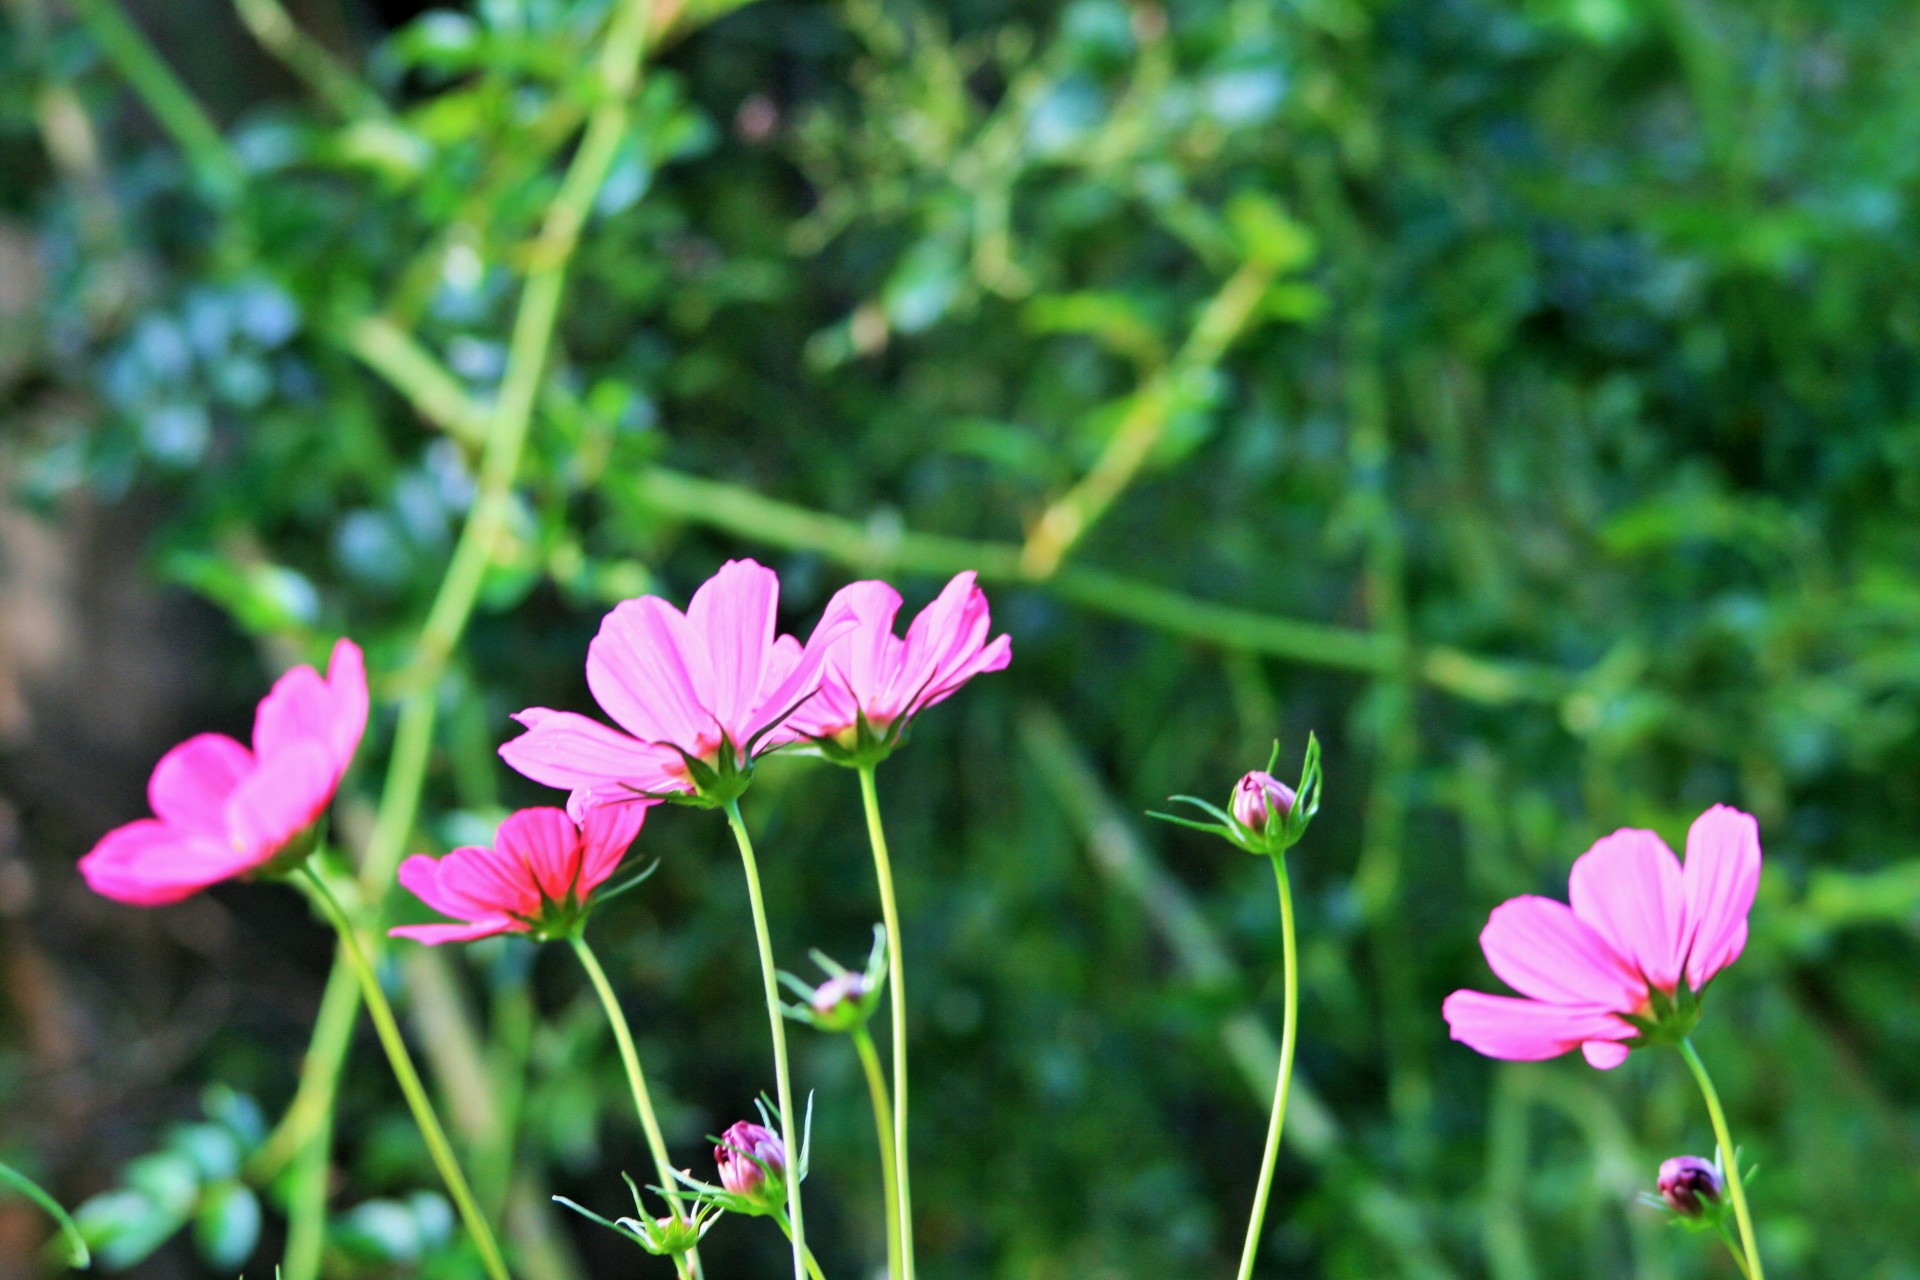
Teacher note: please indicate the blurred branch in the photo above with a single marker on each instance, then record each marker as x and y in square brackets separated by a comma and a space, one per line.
[1225, 318]
[163, 93]
[308, 59]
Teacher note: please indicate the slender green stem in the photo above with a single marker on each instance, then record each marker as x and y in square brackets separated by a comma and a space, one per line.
[796, 1227]
[409, 1080]
[312, 1161]
[806, 1254]
[1289, 1027]
[636, 1079]
[77, 1252]
[883, 1129]
[1733, 1248]
[897, 997]
[1729, 1161]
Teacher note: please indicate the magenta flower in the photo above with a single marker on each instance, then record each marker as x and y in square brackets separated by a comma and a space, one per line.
[696, 696]
[876, 682]
[222, 810]
[537, 878]
[1625, 963]
[1257, 797]
[753, 1163]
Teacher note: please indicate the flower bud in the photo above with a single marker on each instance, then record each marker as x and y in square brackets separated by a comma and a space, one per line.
[1258, 797]
[841, 997]
[753, 1163]
[1692, 1187]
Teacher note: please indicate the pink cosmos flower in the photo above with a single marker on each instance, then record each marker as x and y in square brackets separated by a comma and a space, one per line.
[876, 677]
[1641, 940]
[696, 695]
[538, 876]
[221, 810]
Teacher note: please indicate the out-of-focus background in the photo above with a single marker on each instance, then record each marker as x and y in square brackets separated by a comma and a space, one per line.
[1525, 397]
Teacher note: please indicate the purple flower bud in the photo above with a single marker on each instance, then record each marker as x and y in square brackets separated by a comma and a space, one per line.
[1258, 797]
[753, 1162]
[1691, 1186]
[839, 994]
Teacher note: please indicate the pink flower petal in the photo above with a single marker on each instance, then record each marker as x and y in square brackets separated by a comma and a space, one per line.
[190, 785]
[732, 615]
[1540, 948]
[347, 679]
[1604, 1054]
[605, 834]
[435, 934]
[1721, 876]
[794, 677]
[1526, 1030]
[149, 864]
[301, 707]
[281, 798]
[561, 749]
[1627, 886]
[648, 671]
[420, 876]
[547, 842]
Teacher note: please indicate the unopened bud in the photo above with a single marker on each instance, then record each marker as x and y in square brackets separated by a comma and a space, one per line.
[1260, 797]
[840, 996]
[753, 1162]
[1692, 1187]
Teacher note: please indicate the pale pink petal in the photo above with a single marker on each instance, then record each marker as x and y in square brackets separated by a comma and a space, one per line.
[190, 785]
[561, 749]
[994, 657]
[1526, 1030]
[801, 680]
[1721, 877]
[865, 656]
[941, 635]
[1604, 1054]
[1541, 949]
[281, 798]
[647, 670]
[605, 833]
[149, 864]
[435, 934]
[732, 615]
[1628, 888]
[547, 842]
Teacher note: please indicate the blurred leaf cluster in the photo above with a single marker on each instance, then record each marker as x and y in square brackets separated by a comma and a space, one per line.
[1522, 394]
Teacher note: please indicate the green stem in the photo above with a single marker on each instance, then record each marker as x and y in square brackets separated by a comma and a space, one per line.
[636, 1079]
[409, 1080]
[1288, 1034]
[769, 979]
[1733, 1248]
[312, 1160]
[1729, 1161]
[883, 1129]
[897, 997]
[806, 1254]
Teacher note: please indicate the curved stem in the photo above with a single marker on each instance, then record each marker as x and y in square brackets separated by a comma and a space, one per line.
[883, 1128]
[1729, 1161]
[806, 1254]
[797, 1228]
[409, 1080]
[1288, 1030]
[1733, 1250]
[636, 1079]
[897, 1006]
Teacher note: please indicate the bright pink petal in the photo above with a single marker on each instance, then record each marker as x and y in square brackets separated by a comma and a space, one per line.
[190, 785]
[1720, 879]
[281, 798]
[302, 707]
[1527, 1030]
[420, 876]
[435, 934]
[605, 833]
[149, 864]
[1541, 949]
[732, 616]
[647, 670]
[1604, 1054]
[548, 843]
[1628, 888]
[866, 657]
[796, 674]
[944, 634]
[561, 749]
[994, 657]
[347, 680]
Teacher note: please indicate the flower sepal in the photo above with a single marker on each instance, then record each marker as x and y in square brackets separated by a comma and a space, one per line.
[861, 745]
[1273, 823]
[1669, 1018]
[672, 1236]
[848, 998]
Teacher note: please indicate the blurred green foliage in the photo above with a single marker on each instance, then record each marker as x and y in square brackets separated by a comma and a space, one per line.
[1536, 384]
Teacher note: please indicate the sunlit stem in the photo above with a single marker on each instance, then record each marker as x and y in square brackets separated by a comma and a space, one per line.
[637, 1082]
[897, 998]
[795, 1223]
[409, 1080]
[1728, 1160]
[813, 1268]
[1288, 1027]
[883, 1129]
